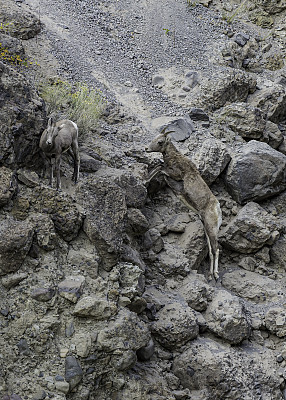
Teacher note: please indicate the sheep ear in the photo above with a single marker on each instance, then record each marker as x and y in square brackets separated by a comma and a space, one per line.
[50, 122]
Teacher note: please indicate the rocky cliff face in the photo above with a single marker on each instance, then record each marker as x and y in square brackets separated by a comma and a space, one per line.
[103, 285]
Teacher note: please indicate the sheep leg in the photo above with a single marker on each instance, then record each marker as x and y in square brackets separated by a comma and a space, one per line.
[58, 172]
[76, 160]
[155, 171]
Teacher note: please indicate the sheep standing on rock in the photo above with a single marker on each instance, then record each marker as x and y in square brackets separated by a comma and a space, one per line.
[58, 138]
[184, 179]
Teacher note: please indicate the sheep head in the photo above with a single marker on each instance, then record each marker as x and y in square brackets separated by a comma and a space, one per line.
[160, 141]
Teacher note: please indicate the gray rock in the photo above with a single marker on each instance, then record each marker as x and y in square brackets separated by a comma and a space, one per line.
[7, 187]
[176, 325]
[24, 24]
[73, 371]
[137, 221]
[272, 101]
[181, 127]
[275, 321]
[251, 229]
[158, 81]
[256, 172]
[71, 288]
[197, 292]
[126, 360]
[278, 253]
[197, 114]
[21, 120]
[23, 347]
[146, 352]
[43, 294]
[15, 242]
[191, 79]
[29, 178]
[12, 280]
[153, 240]
[211, 159]
[45, 234]
[125, 333]
[241, 38]
[131, 279]
[104, 201]
[88, 163]
[254, 287]
[225, 87]
[95, 307]
[209, 366]
[226, 318]
[66, 215]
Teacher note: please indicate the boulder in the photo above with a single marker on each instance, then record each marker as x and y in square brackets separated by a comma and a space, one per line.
[196, 292]
[211, 159]
[125, 332]
[224, 87]
[183, 252]
[255, 172]
[6, 185]
[278, 253]
[275, 320]
[106, 215]
[254, 287]
[22, 119]
[226, 318]
[73, 371]
[181, 127]
[18, 22]
[272, 101]
[66, 215]
[218, 370]
[270, 6]
[15, 242]
[95, 307]
[176, 325]
[71, 287]
[44, 230]
[250, 230]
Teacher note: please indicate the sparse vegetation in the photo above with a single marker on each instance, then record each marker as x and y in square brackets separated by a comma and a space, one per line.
[230, 18]
[78, 102]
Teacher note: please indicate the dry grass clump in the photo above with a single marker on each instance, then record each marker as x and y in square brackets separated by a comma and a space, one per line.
[78, 102]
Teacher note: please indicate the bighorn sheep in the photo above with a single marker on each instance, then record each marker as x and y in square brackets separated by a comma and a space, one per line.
[184, 179]
[58, 138]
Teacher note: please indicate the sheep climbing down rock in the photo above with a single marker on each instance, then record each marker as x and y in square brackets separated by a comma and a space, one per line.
[58, 138]
[182, 176]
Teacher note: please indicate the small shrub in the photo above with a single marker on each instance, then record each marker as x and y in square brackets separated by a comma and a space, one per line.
[77, 102]
[7, 57]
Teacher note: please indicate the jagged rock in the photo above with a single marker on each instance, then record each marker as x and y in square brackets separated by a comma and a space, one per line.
[82, 341]
[272, 101]
[146, 352]
[197, 114]
[19, 22]
[72, 287]
[181, 127]
[226, 318]
[196, 291]
[251, 229]
[278, 253]
[246, 120]
[218, 369]
[153, 240]
[6, 185]
[254, 287]
[126, 332]
[73, 371]
[178, 222]
[88, 163]
[131, 279]
[241, 38]
[275, 321]
[29, 178]
[44, 230]
[183, 253]
[137, 221]
[256, 172]
[12, 280]
[270, 6]
[95, 307]
[62, 208]
[15, 242]
[176, 325]
[225, 87]
[13, 45]
[22, 120]
[211, 159]
[43, 294]
[104, 201]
